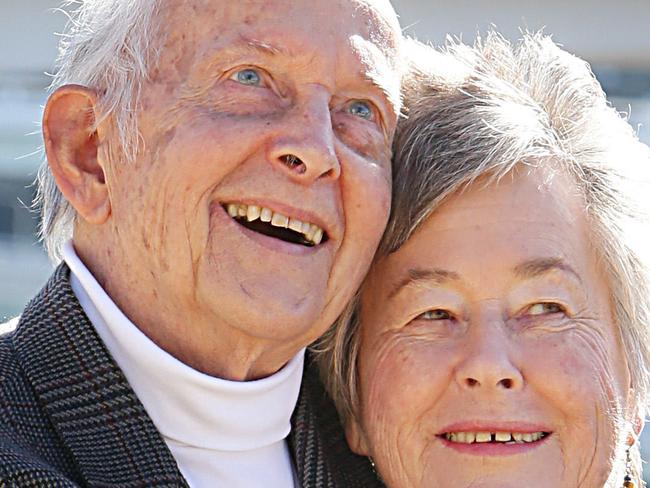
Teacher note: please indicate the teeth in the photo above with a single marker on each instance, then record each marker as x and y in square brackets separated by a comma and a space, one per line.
[266, 215]
[502, 437]
[318, 236]
[253, 213]
[280, 220]
[483, 437]
[311, 232]
[295, 225]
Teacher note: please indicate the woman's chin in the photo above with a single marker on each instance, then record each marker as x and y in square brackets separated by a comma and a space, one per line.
[539, 467]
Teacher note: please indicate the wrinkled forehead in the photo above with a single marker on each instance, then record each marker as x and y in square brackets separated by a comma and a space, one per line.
[342, 34]
[374, 19]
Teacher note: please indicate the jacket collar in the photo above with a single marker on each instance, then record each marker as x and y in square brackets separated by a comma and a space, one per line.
[105, 427]
[317, 441]
[86, 396]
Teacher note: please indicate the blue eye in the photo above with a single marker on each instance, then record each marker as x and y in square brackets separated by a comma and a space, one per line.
[248, 76]
[361, 109]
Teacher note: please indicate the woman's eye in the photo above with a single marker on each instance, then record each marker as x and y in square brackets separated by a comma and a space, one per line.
[247, 76]
[362, 109]
[436, 314]
[544, 308]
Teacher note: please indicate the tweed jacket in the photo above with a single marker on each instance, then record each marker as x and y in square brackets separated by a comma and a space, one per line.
[68, 416]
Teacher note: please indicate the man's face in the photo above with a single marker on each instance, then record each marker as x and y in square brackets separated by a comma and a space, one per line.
[273, 108]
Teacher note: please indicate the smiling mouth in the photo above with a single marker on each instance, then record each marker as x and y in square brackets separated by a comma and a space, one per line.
[274, 224]
[505, 438]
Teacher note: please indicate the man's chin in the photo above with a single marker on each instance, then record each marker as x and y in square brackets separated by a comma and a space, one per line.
[276, 317]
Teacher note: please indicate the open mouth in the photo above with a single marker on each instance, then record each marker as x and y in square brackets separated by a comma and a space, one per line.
[274, 224]
[494, 437]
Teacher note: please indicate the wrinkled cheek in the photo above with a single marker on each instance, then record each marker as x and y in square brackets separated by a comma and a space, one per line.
[170, 224]
[366, 205]
[588, 393]
[595, 377]
[392, 400]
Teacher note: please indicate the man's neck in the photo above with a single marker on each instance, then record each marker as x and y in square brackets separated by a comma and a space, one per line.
[199, 340]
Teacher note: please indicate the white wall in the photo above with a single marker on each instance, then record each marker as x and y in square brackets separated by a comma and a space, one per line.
[27, 39]
[605, 32]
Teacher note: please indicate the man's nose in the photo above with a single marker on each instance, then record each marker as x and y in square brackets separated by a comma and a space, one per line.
[487, 363]
[303, 144]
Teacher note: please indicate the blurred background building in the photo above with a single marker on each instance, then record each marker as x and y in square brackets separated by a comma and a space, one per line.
[612, 36]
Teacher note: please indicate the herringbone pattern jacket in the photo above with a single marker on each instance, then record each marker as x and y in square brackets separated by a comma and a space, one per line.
[68, 417]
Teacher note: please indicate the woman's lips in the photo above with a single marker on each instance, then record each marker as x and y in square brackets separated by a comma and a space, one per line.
[494, 439]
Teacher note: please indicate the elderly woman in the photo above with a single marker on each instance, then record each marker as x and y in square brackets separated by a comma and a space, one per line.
[501, 337]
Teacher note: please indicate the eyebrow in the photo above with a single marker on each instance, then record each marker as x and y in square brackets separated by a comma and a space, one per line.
[540, 266]
[528, 269]
[416, 276]
[244, 46]
[262, 47]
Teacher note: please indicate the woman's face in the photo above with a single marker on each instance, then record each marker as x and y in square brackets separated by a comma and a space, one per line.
[489, 355]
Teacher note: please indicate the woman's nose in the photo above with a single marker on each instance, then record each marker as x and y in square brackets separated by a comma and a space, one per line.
[487, 362]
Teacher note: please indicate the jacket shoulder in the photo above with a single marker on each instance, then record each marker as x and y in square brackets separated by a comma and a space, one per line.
[30, 451]
[21, 469]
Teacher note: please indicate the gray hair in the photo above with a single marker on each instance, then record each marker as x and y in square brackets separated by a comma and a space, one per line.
[478, 112]
[105, 46]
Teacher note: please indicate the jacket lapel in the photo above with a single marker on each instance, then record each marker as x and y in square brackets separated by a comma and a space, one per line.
[105, 427]
[317, 442]
[93, 408]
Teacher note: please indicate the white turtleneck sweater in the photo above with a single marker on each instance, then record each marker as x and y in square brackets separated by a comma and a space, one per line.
[221, 433]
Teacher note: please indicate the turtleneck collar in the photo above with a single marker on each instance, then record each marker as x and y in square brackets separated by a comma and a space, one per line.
[189, 407]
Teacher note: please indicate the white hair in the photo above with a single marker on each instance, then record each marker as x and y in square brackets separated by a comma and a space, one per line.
[479, 111]
[106, 46]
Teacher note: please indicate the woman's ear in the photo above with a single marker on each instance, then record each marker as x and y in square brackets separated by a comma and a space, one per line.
[637, 425]
[356, 438]
[71, 146]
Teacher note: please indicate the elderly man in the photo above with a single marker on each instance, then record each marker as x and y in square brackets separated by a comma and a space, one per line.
[218, 180]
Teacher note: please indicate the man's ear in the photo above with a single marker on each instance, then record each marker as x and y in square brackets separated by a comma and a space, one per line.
[356, 438]
[71, 146]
